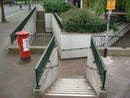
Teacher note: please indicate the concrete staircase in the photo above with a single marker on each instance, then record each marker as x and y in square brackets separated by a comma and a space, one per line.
[70, 88]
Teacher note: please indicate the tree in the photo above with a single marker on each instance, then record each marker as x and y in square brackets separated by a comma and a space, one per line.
[2, 11]
[29, 4]
[127, 9]
[99, 6]
[85, 3]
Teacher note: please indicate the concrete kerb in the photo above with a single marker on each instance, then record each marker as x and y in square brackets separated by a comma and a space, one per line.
[34, 49]
[113, 51]
[37, 92]
[102, 94]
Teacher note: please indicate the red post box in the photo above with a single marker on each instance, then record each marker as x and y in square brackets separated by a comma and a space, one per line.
[23, 44]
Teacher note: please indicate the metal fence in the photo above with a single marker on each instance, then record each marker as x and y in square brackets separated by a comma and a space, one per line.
[39, 39]
[20, 26]
[58, 21]
[39, 69]
[113, 41]
[100, 64]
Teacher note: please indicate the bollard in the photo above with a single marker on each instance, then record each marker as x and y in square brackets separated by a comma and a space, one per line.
[105, 52]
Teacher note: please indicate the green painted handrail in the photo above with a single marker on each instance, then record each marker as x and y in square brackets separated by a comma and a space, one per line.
[100, 64]
[39, 69]
[21, 26]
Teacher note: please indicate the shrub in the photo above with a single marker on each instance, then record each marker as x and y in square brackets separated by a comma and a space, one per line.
[128, 10]
[81, 20]
[114, 26]
[57, 6]
[99, 8]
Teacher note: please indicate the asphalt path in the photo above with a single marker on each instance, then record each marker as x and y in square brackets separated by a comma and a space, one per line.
[10, 10]
[16, 78]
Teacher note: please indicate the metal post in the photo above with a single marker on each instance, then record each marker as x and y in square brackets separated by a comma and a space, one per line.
[104, 80]
[37, 80]
[107, 39]
[81, 3]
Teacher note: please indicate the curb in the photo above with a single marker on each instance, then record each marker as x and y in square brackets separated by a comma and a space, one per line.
[34, 49]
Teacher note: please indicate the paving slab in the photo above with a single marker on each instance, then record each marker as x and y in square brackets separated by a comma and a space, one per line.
[72, 68]
[118, 77]
[16, 78]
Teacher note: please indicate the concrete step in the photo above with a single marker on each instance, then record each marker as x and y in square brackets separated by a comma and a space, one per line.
[45, 96]
[71, 88]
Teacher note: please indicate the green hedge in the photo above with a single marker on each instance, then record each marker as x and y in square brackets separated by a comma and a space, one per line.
[81, 20]
[88, 28]
[57, 6]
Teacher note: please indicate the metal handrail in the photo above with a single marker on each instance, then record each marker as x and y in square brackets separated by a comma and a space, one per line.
[41, 65]
[21, 26]
[58, 21]
[100, 64]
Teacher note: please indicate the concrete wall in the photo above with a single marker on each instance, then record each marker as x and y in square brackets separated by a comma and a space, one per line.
[73, 53]
[93, 76]
[31, 24]
[56, 31]
[50, 72]
[73, 45]
[70, 45]
[48, 22]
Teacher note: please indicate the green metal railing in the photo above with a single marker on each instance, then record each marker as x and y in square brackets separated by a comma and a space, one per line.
[39, 39]
[100, 64]
[58, 21]
[39, 69]
[20, 26]
[113, 41]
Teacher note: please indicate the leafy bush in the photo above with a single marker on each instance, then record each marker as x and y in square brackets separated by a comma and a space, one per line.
[128, 9]
[57, 6]
[98, 6]
[114, 26]
[81, 20]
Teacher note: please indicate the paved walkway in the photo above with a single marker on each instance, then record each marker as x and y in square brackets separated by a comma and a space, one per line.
[16, 78]
[118, 77]
[72, 68]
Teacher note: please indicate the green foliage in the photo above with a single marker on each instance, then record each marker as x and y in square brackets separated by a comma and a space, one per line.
[58, 6]
[80, 16]
[81, 20]
[91, 3]
[127, 8]
[114, 26]
[98, 6]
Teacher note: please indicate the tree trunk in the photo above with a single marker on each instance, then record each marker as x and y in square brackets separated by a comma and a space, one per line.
[20, 6]
[29, 4]
[2, 13]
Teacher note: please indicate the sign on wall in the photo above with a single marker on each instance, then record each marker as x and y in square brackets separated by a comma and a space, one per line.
[111, 4]
[26, 44]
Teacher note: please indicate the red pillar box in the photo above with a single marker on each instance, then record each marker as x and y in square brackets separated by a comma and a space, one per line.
[23, 43]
